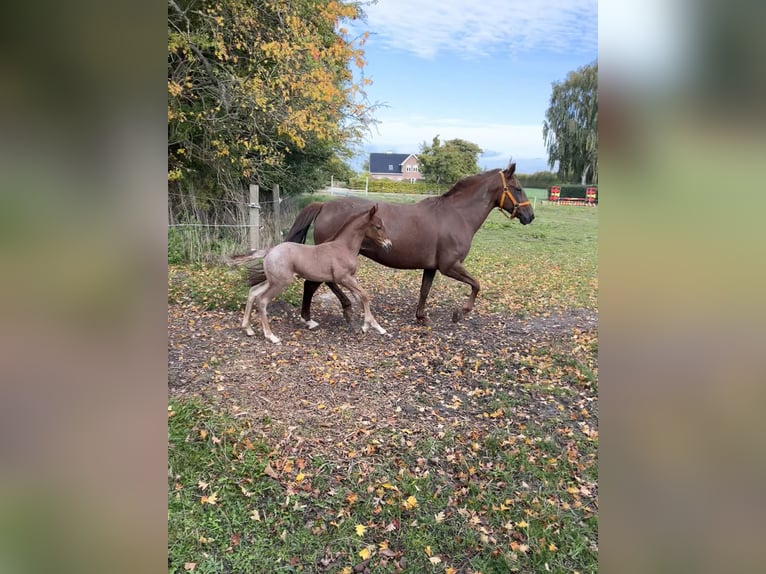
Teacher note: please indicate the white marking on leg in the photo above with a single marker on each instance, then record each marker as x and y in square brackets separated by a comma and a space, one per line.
[311, 324]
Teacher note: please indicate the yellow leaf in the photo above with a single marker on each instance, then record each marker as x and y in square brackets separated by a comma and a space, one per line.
[411, 503]
[428, 551]
[360, 530]
[450, 570]
[522, 524]
[203, 433]
[300, 477]
[346, 570]
[365, 553]
[212, 499]
[552, 547]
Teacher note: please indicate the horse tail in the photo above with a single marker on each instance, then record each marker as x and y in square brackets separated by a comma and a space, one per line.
[244, 257]
[300, 228]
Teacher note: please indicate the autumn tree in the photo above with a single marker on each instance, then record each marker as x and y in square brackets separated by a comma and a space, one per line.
[448, 162]
[261, 91]
[570, 129]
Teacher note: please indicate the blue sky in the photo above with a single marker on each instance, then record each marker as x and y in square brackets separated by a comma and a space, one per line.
[481, 71]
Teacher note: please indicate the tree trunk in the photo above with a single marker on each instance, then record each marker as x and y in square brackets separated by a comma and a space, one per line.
[585, 175]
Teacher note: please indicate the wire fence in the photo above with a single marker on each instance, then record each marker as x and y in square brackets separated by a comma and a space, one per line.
[205, 230]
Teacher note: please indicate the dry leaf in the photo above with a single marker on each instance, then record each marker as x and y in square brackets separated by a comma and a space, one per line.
[435, 560]
[189, 566]
[360, 529]
[365, 553]
[268, 471]
[255, 515]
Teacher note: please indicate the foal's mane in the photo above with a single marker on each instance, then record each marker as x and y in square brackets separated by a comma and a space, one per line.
[348, 222]
[468, 181]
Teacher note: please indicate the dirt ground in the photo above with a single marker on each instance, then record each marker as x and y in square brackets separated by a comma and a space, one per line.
[330, 384]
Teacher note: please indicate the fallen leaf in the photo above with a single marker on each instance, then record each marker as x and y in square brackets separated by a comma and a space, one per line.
[268, 471]
[411, 503]
[255, 515]
[212, 499]
[365, 553]
[435, 560]
[360, 529]
[439, 517]
[189, 566]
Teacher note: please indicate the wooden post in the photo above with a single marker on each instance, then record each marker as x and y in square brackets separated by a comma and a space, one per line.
[366, 185]
[255, 218]
[277, 219]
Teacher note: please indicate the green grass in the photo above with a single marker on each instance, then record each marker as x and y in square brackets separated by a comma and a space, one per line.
[492, 503]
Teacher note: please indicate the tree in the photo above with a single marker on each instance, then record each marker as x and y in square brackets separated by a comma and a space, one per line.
[260, 91]
[570, 129]
[447, 163]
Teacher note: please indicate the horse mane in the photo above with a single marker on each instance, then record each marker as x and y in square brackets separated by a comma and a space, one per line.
[467, 181]
[348, 222]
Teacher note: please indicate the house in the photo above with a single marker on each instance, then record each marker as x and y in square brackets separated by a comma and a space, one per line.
[395, 166]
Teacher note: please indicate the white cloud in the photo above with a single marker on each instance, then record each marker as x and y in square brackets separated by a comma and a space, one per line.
[500, 140]
[481, 27]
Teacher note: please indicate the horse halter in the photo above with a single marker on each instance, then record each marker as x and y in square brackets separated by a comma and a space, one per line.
[506, 192]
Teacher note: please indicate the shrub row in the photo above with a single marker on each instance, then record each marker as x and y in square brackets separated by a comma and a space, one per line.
[388, 186]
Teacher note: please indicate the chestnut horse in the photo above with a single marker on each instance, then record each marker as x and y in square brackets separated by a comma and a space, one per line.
[334, 261]
[432, 234]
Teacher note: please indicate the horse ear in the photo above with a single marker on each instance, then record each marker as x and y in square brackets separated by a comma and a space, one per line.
[373, 210]
[511, 169]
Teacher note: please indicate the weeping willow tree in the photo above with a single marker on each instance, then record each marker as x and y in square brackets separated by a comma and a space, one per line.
[570, 129]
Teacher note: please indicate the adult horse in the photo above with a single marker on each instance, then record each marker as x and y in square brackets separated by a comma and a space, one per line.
[432, 234]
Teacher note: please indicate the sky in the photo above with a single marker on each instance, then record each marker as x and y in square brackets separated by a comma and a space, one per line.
[480, 71]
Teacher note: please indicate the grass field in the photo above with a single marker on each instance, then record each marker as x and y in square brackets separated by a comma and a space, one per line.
[450, 450]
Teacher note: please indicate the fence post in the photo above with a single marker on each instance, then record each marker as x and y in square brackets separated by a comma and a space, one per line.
[255, 218]
[366, 184]
[277, 219]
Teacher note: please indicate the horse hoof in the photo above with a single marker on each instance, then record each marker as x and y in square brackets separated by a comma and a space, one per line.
[381, 330]
[456, 316]
[310, 324]
[274, 339]
[365, 328]
[423, 321]
[347, 315]
[249, 332]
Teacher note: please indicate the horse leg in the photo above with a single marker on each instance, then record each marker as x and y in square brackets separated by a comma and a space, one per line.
[425, 289]
[345, 302]
[255, 290]
[457, 271]
[369, 320]
[309, 288]
[262, 301]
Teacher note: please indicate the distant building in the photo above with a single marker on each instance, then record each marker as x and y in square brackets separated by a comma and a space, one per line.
[395, 166]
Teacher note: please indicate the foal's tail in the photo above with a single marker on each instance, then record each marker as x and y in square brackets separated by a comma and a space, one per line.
[300, 228]
[244, 257]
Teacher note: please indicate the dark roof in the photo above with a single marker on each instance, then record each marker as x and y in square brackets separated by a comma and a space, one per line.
[380, 162]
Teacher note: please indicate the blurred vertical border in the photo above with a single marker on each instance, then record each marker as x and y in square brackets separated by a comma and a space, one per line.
[83, 289]
[682, 285]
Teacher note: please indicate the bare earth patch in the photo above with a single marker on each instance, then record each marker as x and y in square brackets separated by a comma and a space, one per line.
[329, 390]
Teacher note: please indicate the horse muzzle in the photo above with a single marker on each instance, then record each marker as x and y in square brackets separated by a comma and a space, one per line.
[525, 218]
[386, 244]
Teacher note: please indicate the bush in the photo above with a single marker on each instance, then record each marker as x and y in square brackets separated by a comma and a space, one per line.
[389, 186]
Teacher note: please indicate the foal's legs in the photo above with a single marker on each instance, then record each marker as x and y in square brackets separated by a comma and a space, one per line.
[457, 271]
[345, 302]
[255, 290]
[351, 284]
[425, 288]
[262, 301]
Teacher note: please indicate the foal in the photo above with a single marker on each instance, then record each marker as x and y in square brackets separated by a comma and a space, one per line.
[335, 260]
